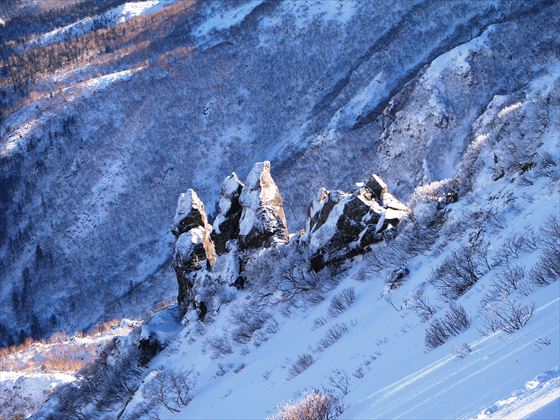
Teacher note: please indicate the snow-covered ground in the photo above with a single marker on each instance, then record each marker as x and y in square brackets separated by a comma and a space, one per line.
[31, 374]
[119, 14]
[373, 354]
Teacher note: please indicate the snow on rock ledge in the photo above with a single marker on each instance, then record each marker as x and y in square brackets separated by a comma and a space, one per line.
[189, 214]
[263, 222]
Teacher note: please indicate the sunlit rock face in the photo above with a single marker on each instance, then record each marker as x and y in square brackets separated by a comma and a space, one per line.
[263, 222]
[190, 213]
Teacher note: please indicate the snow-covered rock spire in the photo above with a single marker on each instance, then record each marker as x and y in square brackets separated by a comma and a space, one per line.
[263, 222]
[189, 214]
[194, 249]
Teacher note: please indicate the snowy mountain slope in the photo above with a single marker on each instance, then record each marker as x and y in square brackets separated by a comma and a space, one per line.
[370, 339]
[91, 170]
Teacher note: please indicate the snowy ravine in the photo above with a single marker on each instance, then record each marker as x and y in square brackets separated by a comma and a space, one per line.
[484, 243]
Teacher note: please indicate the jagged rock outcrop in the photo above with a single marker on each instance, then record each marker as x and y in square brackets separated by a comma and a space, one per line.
[190, 213]
[339, 226]
[194, 248]
[263, 222]
[251, 214]
[342, 225]
[226, 224]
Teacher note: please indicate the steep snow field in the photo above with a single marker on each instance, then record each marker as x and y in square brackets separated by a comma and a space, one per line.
[391, 374]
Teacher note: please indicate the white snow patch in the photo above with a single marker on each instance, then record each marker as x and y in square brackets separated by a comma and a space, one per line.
[184, 205]
[119, 14]
[226, 19]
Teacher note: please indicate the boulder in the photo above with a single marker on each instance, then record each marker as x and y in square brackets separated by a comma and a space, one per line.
[190, 213]
[226, 224]
[341, 225]
[262, 223]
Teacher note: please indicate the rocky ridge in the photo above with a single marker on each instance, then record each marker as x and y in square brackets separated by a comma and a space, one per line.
[250, 216]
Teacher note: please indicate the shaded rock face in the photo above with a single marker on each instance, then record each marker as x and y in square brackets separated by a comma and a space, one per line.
[194, 252]
[263, 222]
[341, 225]
[226, 224]
[190, 213]
[149, 347]
[194, 248]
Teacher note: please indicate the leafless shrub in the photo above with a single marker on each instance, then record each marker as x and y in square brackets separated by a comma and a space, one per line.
[452, 323]
[302, 362]
[332, 335]
[550, 233]
[171, 390]
[239, 368]
[514, 246]
[297, 281]
[359, 372]
[507, 315]
[509, 280]
[266, 374]
[269, 328]
[341, 302]
[547, 166]
[420, 304]
[221, 371]
[542, 342]
[220, 346]
[547, 269]
[461, 270]
[388, 297]
[318, 322]
[340, 381]
[247, 322]
[463, 351]
[314, 405]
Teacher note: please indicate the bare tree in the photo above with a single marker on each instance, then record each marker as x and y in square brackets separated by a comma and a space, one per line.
[508, 316]
[340, 381]
[452, 323]
[341, 302]
[170, 389]
[420, 304]
[461, 270]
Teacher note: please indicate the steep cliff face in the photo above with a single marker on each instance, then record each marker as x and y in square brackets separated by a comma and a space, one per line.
[93, 157]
